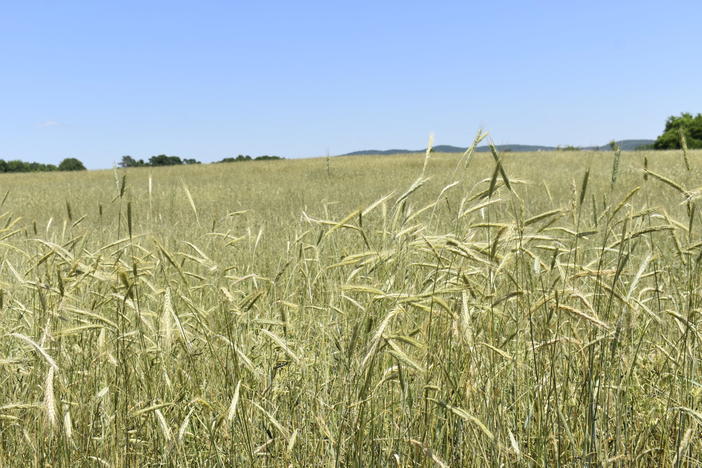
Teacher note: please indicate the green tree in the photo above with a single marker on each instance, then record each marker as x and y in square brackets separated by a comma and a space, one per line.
[128, 161]
[16, 165]
[687, 124]
[163, 160]
[71, 164]
[266, 157]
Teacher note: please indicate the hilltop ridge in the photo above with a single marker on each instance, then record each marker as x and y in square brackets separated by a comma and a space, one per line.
[625, 145]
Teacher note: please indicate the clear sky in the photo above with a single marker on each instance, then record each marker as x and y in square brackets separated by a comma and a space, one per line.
[209, 79]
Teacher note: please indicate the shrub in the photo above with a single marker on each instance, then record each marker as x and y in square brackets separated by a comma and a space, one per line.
[71, 164]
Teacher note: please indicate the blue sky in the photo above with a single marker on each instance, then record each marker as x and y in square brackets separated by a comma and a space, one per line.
[211, 79]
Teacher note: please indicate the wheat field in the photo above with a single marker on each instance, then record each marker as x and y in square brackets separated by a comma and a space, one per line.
[523, 309]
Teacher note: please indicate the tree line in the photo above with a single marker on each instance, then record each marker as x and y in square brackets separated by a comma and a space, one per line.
[16, 165]
[73, 164]
[242, 157]
[156, 161]
[164, 160]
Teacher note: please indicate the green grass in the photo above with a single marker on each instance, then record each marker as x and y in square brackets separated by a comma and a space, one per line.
[347, 313]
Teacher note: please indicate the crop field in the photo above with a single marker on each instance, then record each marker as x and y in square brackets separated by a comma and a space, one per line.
[526, 309]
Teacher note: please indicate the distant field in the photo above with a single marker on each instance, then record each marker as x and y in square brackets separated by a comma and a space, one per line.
[356, 311]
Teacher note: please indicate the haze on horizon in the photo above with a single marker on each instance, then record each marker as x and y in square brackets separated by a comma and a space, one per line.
[213, 79]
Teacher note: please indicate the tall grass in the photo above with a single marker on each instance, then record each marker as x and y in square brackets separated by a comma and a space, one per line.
[523, 309]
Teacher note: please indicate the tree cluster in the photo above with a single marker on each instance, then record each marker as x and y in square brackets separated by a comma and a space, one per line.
[568, 148]
[163, 160]
[242, 157]
[156, 161]
[678, 128]
[15, 165]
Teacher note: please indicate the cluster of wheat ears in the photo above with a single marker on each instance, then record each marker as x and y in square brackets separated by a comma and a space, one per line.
[473, 317]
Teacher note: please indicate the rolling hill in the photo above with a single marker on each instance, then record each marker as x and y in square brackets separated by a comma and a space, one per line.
[625, 145]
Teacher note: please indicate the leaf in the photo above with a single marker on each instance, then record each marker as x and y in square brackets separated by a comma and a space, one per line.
[235, 401]
[39, 349]
[280, 342]
[463, 414]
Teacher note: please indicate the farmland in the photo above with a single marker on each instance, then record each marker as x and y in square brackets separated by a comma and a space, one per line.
[356, 311]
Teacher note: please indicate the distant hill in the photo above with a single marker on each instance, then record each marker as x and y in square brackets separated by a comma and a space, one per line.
[517, 148]
[625, 145]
